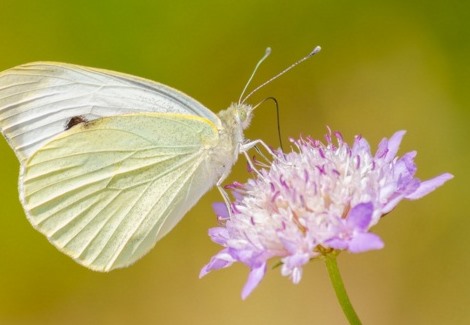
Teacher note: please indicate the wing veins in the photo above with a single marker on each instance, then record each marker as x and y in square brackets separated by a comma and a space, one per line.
[148, 213]
[17, 85]
[39, 89]
[107, 176]
[155, 179]
[117, 226]
[80, 253]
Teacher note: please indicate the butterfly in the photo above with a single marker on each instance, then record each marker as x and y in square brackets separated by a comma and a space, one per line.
[109, 162]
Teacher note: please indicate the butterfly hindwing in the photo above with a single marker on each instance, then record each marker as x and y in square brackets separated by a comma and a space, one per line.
[105, 191]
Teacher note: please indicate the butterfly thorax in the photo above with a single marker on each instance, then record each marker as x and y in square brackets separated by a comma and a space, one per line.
[234, 120]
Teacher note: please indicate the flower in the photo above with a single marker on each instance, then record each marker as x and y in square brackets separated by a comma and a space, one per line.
[320, 198]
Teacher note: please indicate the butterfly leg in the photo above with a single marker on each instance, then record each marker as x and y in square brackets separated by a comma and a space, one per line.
[224, 193]
[248, 145]
[242, 149]
[253, 144]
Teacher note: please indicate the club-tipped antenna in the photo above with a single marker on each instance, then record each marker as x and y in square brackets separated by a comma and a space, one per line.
[266, 54]
[308, 56]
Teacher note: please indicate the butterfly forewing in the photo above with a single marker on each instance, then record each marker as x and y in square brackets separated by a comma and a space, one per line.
[106, 191]
[37, 100]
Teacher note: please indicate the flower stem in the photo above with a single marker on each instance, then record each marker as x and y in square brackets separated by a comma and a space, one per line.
[338, 285]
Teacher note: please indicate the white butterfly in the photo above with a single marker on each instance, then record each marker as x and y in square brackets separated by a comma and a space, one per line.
[109, 162]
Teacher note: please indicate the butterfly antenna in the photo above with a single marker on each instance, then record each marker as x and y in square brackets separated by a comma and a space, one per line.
[308, 56]
[266, 54]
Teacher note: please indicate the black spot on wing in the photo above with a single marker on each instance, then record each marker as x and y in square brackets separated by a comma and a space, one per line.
[75, 120]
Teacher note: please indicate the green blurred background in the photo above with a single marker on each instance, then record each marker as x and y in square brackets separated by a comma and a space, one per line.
[385, 66]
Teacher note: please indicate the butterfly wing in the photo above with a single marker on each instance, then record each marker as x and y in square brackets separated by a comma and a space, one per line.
[37, 100]
[106, 191]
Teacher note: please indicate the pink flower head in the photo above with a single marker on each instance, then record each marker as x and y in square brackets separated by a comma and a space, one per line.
[320, 198]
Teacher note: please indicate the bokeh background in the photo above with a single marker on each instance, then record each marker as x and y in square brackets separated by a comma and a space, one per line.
[385, 66]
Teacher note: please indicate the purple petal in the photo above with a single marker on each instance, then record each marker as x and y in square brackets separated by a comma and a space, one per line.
[360, 146]
[220, 209]
[394, 145]
[405, 166]
[237, 195]
[407, 184]
[382, 149]
[391, 204]
[408, 159]
[428, 186]
[337, 243]
[249, 256]
[388, 148]
[360, 216]
[254, 278]
[219, 261]
[362, 242]
[219, 235]
[295, 261]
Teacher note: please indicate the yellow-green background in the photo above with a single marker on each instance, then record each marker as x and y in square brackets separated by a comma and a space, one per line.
[385, 66]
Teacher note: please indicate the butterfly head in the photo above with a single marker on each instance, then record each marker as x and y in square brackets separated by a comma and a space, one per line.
[237, 117]
[244, 114]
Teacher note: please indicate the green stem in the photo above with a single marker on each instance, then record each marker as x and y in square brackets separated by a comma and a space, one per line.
[335, 277]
